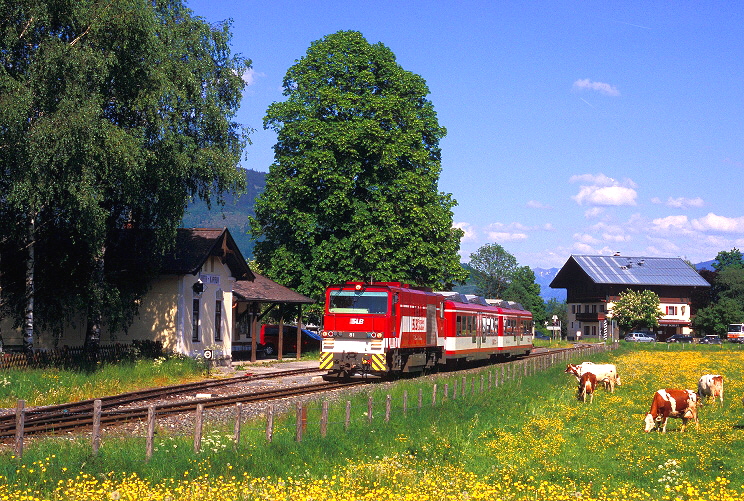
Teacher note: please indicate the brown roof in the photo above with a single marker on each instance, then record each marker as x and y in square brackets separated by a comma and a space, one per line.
[264, 290]
[195, 245]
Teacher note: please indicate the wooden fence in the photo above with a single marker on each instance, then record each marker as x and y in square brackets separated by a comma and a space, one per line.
[484, 379]
[77, 356]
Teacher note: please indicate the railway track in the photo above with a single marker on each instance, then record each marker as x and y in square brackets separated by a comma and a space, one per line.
[69, 416]
[79, 415]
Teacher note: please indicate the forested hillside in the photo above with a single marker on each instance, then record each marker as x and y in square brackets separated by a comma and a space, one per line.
[234, 214]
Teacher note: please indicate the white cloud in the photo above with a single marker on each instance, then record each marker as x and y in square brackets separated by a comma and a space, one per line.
[603, 191]
[469, 231]
[534, 204]
[601, 87]
[583, 248]
[680, 203]
[714, 222]
[249, 76]
[593, 212]
[585, 238]
[496, 236]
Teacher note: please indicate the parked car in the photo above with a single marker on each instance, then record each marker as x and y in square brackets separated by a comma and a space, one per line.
[711, 339]
[679, 338]
[540, 335]
[641, 337]
[269, 340]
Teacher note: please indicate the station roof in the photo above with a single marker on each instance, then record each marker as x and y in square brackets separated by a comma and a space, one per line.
[628, 270]
[264, 290]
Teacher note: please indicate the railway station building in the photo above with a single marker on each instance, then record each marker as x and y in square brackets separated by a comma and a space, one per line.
[192, 305]
[594, 283]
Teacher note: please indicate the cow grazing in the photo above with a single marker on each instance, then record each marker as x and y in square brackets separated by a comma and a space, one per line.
[710, 385]
[587, 384]
[606, 373]
[672, 403]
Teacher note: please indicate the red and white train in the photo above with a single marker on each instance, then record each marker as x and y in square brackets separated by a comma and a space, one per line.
[386, 328]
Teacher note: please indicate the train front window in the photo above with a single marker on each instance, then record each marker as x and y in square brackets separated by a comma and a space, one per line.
[358, 302]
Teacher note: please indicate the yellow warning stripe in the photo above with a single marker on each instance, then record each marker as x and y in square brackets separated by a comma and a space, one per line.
[378, 362]
[326, 360]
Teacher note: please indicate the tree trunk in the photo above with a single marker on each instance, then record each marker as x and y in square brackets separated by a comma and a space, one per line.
[93, 328]
[28, 321]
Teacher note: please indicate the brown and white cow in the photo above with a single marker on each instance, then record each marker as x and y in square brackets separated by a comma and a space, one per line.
[672, 403]
[587, 384]
[710, 385]
[606, 373]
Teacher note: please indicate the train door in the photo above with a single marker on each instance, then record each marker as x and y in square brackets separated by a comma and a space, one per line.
[431, 324]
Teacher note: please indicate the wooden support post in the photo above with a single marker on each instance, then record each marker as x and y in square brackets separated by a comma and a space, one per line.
[405, 402]
[269, 423]
[96, 435]
[446, 391]
[324, 419]
[464, 387]
[490, 380]
[299, 332]
[387, 408]
[481, 383]
[198, 423]
[280, 343]
[238, 418]
[434, 396]
[347, 421]
[20, 423]
[421, 398]
[150, 430]
[369, 409]
[454, 389]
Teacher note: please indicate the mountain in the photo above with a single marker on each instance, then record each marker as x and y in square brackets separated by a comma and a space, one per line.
[234, 214]
[543, 277]
[706, 265]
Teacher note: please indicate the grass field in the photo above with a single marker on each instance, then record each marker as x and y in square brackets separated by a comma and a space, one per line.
[529, 438]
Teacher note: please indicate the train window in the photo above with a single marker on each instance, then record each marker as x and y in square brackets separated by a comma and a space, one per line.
[346, 301]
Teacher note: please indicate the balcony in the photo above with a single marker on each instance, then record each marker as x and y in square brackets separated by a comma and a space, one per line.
[591, 317]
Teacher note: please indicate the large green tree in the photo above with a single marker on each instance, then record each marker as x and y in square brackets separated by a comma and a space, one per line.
[353, 190]
[727, 295]
[526, 291]
[112, 113]
[492, 269]
[637, 310]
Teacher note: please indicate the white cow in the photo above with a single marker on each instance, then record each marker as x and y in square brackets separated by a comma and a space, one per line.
[606, 373]
[710, 385]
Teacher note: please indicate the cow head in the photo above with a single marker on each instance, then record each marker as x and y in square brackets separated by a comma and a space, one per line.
[650, 423]
[572, 369]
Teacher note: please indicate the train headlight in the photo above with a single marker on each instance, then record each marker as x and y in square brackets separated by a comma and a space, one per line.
[379, 335]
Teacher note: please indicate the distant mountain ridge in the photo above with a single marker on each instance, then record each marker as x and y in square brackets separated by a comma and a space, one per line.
[237, 210]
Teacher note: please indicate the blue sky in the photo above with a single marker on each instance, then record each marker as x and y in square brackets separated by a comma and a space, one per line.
[572, 127]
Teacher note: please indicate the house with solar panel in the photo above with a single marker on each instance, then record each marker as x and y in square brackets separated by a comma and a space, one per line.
[594, 283]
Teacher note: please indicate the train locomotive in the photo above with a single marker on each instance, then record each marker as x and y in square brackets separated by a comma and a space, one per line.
[391, 328]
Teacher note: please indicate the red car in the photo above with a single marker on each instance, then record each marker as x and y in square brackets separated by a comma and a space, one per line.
[269, 340]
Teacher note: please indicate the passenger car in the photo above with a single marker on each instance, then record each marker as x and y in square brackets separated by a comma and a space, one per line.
[679, 338]
[641, 337]
[711, 339]
[540, 335]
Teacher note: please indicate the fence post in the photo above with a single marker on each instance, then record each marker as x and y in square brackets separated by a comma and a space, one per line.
[387, 408]
[434, 395]
[405, 402]
[464, 387]
[369, 409]
[446, 391]
[481, 383]
[348, 415]
[238, 415]
[20, 422]
[324, 419]
[150, 430]
[270, 423]
[198, 427]
[299, 424]
[454, 390]
[421, 397]
[96, 435]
